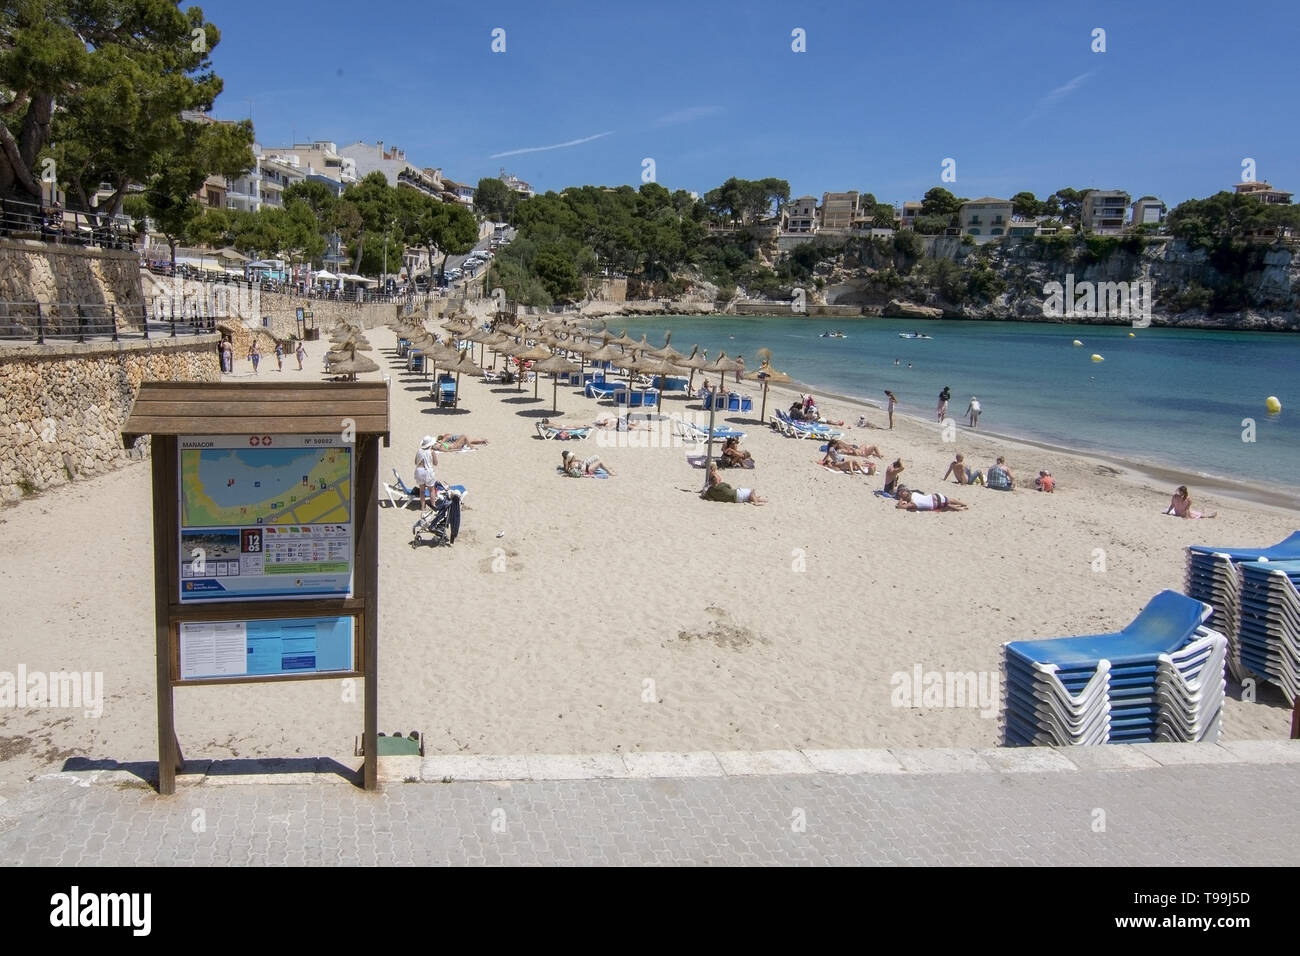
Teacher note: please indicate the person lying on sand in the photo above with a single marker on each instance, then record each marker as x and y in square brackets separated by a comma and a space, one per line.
[862, 451]
[457, 442]
[1180, 506]
[732, 456]
[919, 501]
[608, 420]
[719, 490]
[576, 467]
[962, 474]
[837, 462]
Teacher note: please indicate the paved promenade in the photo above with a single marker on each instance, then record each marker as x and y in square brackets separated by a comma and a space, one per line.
[1125, 805]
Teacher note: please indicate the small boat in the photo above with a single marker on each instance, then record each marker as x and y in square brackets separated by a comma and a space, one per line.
[914, 335]
[834, 334]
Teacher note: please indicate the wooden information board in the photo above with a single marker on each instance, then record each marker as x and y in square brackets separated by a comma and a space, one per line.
[265, 520]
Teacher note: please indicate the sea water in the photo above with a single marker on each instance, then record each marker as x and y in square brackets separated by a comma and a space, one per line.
[1180, 398]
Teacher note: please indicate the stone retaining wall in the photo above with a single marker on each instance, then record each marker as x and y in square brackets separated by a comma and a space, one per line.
[52, 274]
[62, 406]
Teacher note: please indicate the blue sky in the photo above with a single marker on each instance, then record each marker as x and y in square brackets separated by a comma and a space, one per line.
[884, 93]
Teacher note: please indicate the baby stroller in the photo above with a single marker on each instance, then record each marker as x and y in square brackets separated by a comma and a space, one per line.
[442, 522]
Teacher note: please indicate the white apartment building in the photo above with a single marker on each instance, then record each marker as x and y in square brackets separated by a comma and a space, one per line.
[321, 158]
[263, 185]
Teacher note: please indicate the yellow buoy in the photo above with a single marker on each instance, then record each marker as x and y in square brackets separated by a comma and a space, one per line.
[1272, 404]
[1132, 335]
[1097, 358]
[1077, 342]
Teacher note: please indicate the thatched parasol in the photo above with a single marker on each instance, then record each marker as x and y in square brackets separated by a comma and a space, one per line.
[352, 365]
[634, 362]
[768, 376]
[532, 353]
[556, 365]
[696, 363]
[668, 353]
[662, 368]
[623, 339]
[722, 365]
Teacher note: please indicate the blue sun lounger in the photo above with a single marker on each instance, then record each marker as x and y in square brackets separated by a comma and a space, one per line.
[446, 390]
[594, 389]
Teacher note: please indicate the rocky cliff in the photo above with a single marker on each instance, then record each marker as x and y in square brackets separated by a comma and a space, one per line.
[1246, 287]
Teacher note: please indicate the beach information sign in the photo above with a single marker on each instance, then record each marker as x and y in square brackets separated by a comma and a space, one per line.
[271, 648]
[265, 517]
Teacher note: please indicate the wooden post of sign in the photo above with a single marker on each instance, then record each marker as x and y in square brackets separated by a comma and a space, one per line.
[163, 451]
[367, 585]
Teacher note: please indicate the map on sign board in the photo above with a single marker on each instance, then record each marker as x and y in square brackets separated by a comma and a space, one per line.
[265, 516]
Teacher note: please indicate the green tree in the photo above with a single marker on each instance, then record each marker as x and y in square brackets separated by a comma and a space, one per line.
[494, 200]
[120, 73]
[199, 150]
[940, 202]
[1027, 204]
[1066, 203]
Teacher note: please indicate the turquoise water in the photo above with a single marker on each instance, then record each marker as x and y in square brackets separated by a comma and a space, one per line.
[1171, 397]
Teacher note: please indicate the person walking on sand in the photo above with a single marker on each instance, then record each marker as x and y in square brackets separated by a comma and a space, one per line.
[740, 367]
[973, 410]
[301, 354]
[893, 400]
[255, 355]
[943, 404]
[279, 355]
[1180, 506]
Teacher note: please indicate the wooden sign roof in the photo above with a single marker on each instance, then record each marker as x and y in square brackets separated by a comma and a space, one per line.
[239, 408]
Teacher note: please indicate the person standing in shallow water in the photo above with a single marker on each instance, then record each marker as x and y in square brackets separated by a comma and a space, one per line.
[973, 410]
[943, 403]
[893, 400]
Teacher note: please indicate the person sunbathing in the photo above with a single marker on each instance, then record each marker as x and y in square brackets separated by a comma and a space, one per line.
[837, 462]
[919, 501]
[457, 442]
[608, 420]
[1180, 506]
[576, 467]
[862, 451]
[733, 457]
[719, 490]
[962, 474]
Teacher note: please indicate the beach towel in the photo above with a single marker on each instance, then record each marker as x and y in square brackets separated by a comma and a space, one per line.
[698, 461]
[565, 474]
[856, 474]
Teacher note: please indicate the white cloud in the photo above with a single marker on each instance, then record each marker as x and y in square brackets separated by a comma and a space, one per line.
[1052, 97]
[688, 115]
[542, 149]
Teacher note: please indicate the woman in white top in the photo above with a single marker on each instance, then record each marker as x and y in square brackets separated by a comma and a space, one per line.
[425, 459]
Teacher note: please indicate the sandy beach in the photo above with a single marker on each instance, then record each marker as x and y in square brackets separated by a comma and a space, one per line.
[627, 614]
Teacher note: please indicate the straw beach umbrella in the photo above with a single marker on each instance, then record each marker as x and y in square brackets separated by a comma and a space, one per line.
[768, 376]
[722, 365]
[662, 368]
[556, 365]
[696, 363]
[533, 353]
[352, 365]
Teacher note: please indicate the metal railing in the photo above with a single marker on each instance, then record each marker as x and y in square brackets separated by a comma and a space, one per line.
[24, 220]
[46, 323]
[298, 289]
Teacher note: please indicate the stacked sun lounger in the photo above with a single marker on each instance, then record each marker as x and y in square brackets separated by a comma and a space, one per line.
[1160, 678]
[1214, 576]
[1270, 623]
